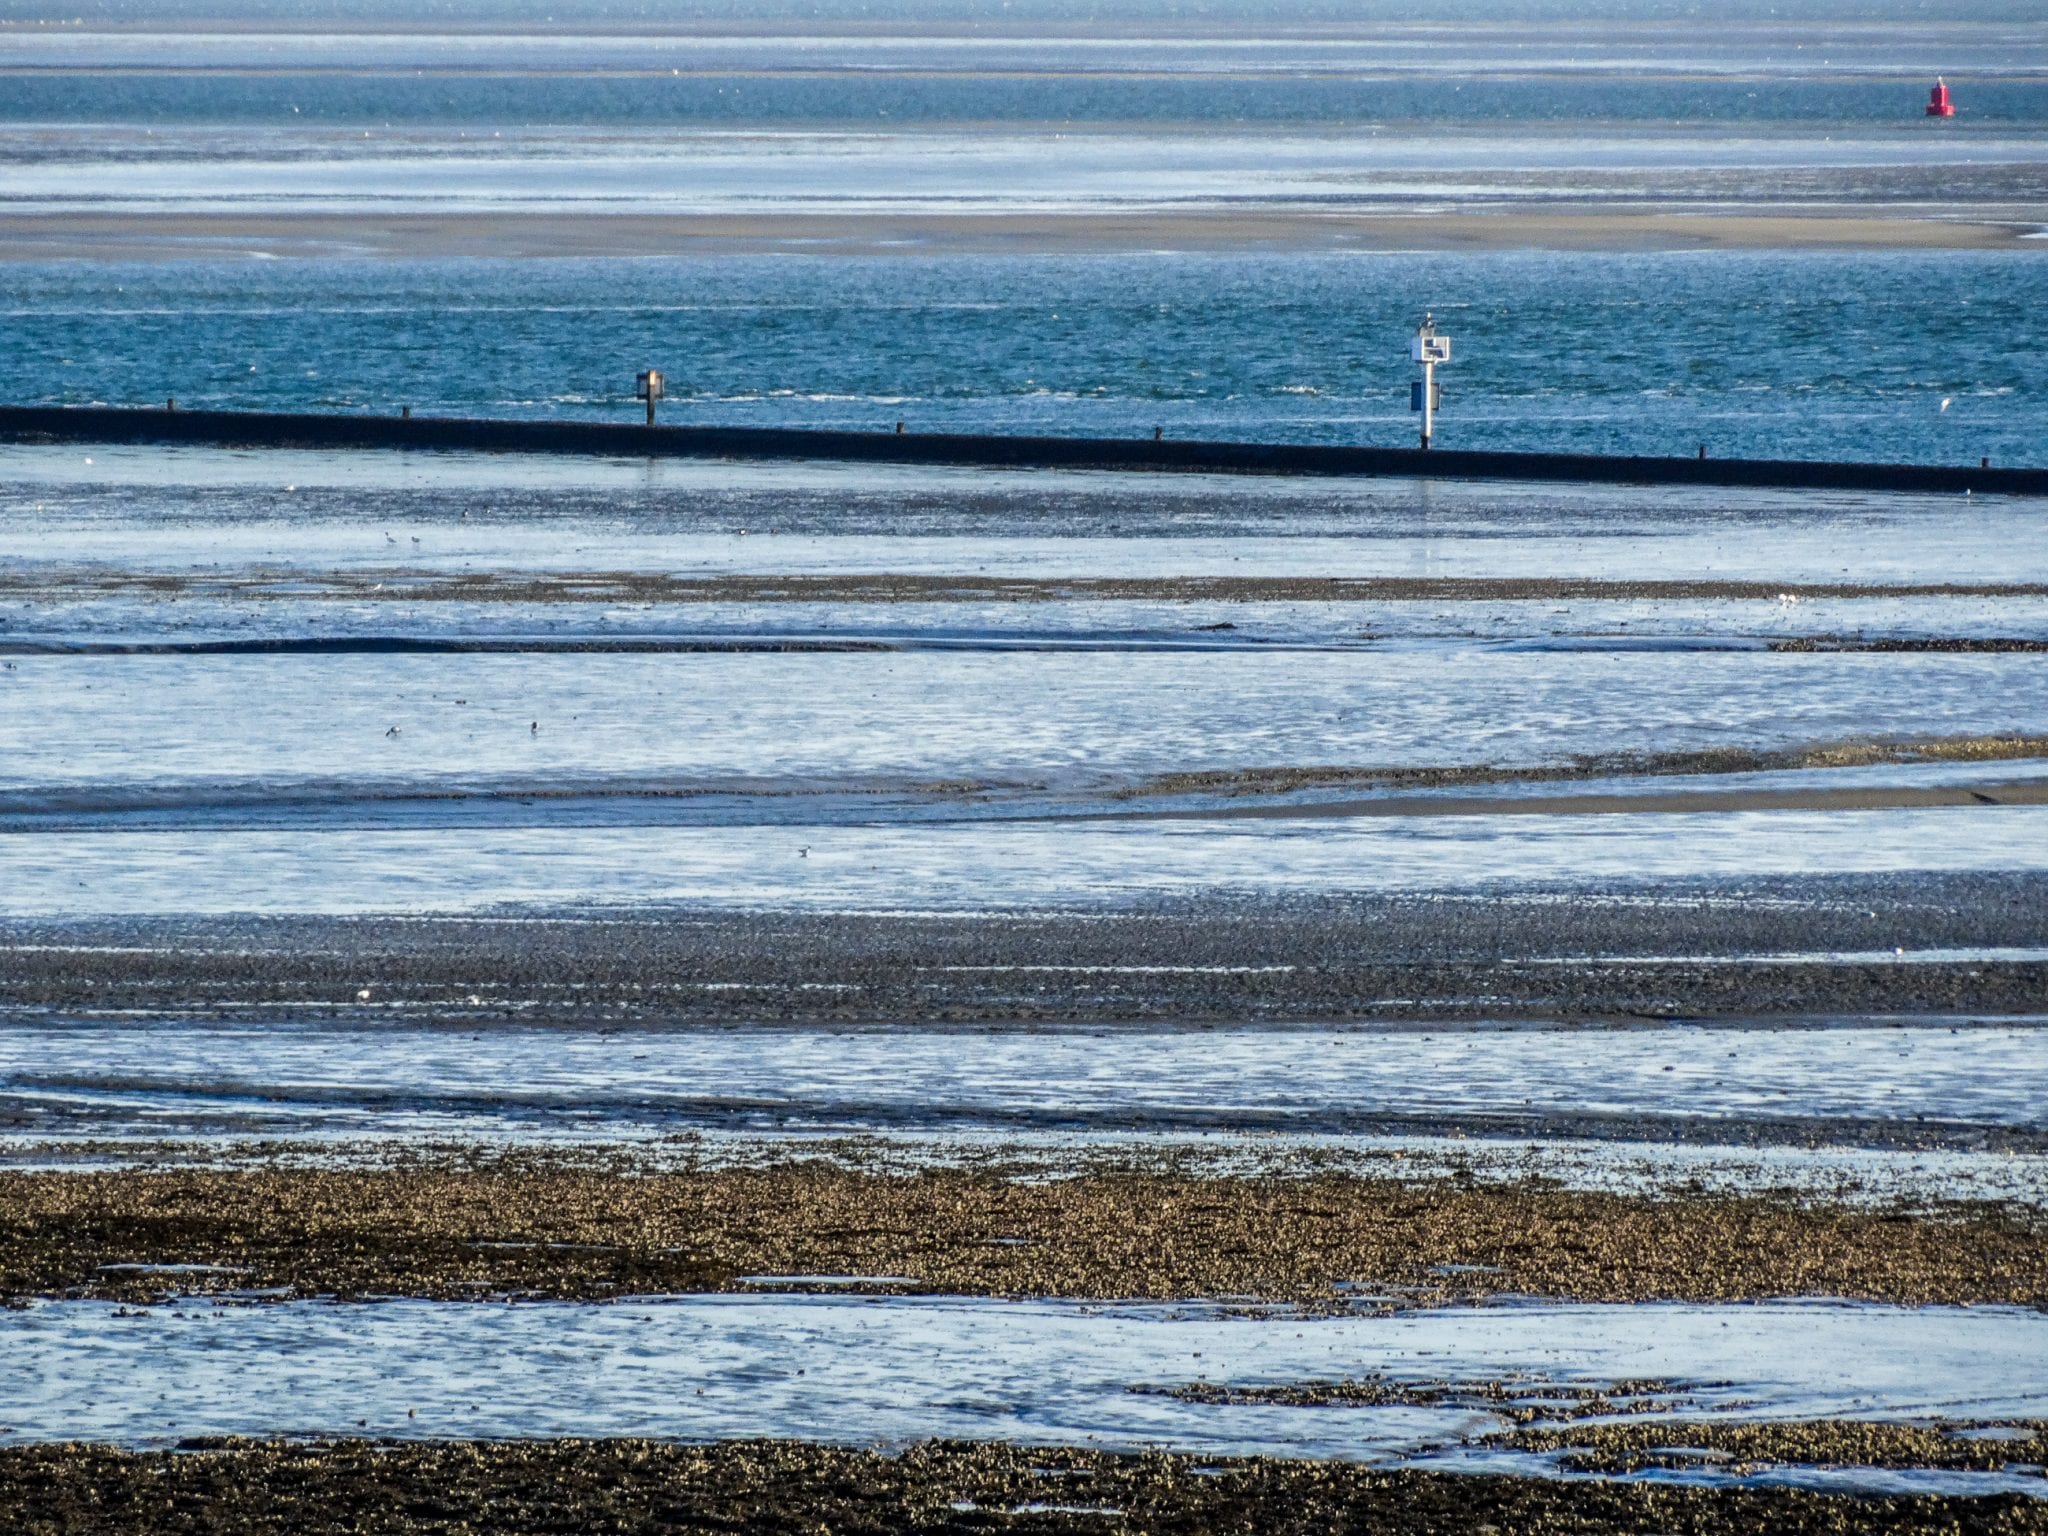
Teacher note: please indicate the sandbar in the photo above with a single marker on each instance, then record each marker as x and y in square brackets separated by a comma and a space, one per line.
[185, 235]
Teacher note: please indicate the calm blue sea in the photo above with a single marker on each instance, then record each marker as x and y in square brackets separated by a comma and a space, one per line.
[753, 99]
[1932, 356]
[943, 108]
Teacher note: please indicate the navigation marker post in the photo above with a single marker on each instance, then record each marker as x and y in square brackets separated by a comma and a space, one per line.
[648, 388]
[1425, 394]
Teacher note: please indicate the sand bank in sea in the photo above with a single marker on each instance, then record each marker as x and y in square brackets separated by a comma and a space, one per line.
[33, 237]
[526, 1227]
[781, 1486]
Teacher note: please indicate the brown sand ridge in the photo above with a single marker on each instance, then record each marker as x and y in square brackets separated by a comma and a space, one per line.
[521, 1227]
[1758, 1446]
[1611, 765]
[175, 235]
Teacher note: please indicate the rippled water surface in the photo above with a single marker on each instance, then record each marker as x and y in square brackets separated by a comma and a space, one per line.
[883, 1371]
[286, 1076]
[1834, 355]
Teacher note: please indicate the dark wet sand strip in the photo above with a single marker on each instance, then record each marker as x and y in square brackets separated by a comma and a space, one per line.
[1395, 787]
[1671, 803]
[1030, 980]
[1988, 645]
[1422, 956]
[641, 806]
[525, 1226]
[57, 1108]
[752, 1488]
[775, 645]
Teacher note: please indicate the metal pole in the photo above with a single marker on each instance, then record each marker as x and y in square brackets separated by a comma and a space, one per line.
[1428, 349]
[650, 407]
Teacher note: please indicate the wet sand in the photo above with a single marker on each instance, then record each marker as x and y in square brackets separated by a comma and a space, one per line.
[523, 1226]
[1402, 791]
[172, 236]
[1698, 950]
[1288, 793]
[1709, 965]
[1615, 1449]
[397, 584]
[1820, 797]
[781, 1486]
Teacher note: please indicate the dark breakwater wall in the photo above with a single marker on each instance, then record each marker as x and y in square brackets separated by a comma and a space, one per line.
[265, 429]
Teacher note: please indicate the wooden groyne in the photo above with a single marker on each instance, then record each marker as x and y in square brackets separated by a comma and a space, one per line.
[278, 429]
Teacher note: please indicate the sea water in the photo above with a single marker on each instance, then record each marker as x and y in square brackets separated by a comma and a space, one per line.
[1203, 323]
[882, 1371]
[1929, 356]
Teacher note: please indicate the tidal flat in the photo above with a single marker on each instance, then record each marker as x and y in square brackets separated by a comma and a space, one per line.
[582, 995]
[760, 1487]
[239, 1488]
[518, 1227]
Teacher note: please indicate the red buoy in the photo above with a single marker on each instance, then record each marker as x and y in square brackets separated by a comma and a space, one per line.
[1938, 104]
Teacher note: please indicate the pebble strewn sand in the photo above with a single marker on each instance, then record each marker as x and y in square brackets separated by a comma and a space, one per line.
[751, 1487]
[1734, 1447]
[563, 1233]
